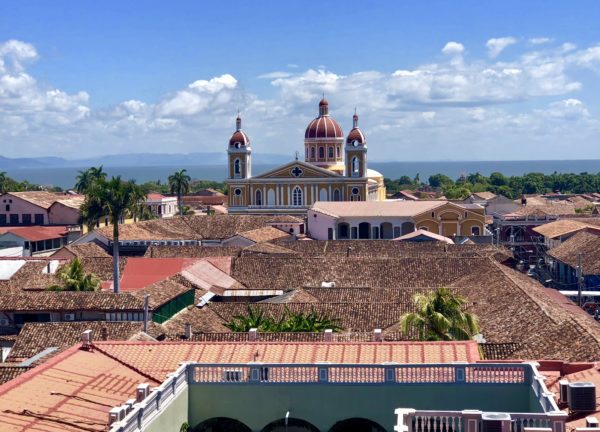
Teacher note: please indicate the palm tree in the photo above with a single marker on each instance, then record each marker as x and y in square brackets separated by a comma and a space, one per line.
[440, 316]
[179, 182]
[85, 179]
[310, 322]
[74, 278]
[115, 198]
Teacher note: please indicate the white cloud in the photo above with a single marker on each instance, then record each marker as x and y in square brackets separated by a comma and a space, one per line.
[453, 48]
[496, 45]
[475, 102]
[539, 40]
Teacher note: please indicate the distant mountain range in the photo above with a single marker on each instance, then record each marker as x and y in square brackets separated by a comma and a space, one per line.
[133, 159]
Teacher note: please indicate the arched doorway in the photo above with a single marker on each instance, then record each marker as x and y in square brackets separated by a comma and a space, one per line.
[407, 228]
[387, 231]
[364, 230]
[221, 424]
[293, 425]
[357, 424]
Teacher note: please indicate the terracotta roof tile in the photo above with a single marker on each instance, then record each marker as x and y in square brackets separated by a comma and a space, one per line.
[586, 243]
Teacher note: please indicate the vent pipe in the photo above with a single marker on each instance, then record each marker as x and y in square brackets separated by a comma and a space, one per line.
[377, 335]
[253, 335]
[328, 335]
[188, 331]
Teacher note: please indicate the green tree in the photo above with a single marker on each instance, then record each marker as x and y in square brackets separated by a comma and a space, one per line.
[86, 179]
[179, 182]
[440, 180]
[115, 198]
[3, 182]
[440, 316]
[457, 193]
[74, 278]
[309, 321]
[498, 179]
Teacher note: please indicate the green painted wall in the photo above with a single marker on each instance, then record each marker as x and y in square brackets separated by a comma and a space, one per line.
[257, 405]
[173, 415]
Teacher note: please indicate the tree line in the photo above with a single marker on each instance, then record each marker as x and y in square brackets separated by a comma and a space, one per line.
[511, 187]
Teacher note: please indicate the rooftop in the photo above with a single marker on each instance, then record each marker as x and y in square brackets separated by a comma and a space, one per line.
[586, 243]
[375, 208]
[563, 227]
[36, 233]
[45, 199]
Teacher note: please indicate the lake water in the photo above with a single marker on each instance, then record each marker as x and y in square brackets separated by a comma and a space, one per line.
[65, 177]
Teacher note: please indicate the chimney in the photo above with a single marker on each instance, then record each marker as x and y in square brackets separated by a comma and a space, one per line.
[86, 339]
[377, 336]
[188, 331]
[253, 335]
[328, 335]
[591, 422]
[142, 392]
[104, 334]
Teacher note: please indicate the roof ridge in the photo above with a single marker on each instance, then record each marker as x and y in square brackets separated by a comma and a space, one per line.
[118, 360]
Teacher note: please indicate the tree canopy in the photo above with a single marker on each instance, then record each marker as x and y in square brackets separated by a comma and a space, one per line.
[309, 321]
[74, 278]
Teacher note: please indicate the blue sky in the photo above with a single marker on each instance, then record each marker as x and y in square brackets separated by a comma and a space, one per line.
[432, 80]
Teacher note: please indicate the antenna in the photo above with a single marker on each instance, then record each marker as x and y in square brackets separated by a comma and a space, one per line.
[297, 155]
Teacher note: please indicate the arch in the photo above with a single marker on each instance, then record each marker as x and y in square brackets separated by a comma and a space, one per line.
[237, 168]
[321, 152]
[355, 167]
[337, 196]
[258, 197]
[221, 424]
[338, 151]
[312, 152]
[297, 196]
[475, 231]
[271, 197]
[323, 195]
[343, 231]
[330, 153]
[357, 424]
[293, 425]
[407, 227]
[386, 230]
[364, 230]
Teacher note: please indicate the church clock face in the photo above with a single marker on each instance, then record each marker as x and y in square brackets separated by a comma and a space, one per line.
[355, 143]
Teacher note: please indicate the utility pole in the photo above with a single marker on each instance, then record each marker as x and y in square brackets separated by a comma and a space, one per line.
[579, 279]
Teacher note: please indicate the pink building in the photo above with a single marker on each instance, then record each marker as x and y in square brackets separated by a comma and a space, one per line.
[39, 208]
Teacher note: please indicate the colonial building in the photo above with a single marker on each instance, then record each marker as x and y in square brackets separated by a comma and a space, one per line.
[334, 169]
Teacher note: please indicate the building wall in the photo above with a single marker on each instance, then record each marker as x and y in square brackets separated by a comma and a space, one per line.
[20, 207]
[60, 214]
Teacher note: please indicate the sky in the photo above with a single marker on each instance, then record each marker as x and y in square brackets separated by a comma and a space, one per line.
[430, 80]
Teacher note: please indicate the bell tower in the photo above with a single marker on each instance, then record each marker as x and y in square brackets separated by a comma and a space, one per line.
[356, 151]
[239, 153]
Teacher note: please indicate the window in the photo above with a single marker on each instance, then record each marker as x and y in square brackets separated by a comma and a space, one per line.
[14, 219]
[237, 168]
[330, 233]
[258, 197]
[237, 192]
[397, 232]
[312, 152]
[343, 229]
[475, 231]
[297, 196]
[355, 168]
[354, 231]
[336, 195]
[7, 207]
[376, 232]
[2, 219]
[338, 151]
[321, 152]
[330, 152]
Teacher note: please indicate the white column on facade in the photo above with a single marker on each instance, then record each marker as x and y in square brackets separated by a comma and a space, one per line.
[329, 197]
[289, 196]
[264, 195]
[315, 196]
[304, 200]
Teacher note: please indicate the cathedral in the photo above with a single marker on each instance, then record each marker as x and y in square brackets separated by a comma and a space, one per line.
[334, 169]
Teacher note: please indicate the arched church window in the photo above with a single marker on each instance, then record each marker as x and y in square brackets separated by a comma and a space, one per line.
[330, 152]
[338, 151]
[312, 152]
[237, 168]
[355, 166]
[336, 195]
[297, 196]
[258, 197]
[321, 152]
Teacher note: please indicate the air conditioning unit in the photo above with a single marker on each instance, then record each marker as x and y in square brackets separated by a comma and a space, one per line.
[70, 317]
[232, 375]
[4, 322]
[495, 422]
[582, 397]
[564, 391]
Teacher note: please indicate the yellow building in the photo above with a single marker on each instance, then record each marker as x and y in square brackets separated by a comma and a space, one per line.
[334, 169]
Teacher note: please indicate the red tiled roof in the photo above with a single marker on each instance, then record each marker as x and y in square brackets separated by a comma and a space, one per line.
[141, 272]
[36, 233]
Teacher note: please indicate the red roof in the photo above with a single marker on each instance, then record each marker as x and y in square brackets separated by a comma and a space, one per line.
[36, 233]
[155, 196]
[141, 272]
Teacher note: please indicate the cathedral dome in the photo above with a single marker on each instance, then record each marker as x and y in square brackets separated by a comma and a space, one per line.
[239, 137]
[355, 134]
[323, 126]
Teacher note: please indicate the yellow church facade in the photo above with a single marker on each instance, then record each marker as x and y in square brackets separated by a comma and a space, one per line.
[335, 169]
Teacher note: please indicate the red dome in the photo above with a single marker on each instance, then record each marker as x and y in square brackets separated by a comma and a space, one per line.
[323, 127]
[239, 137]
[355, 135]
